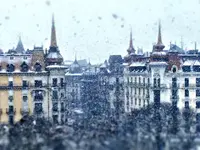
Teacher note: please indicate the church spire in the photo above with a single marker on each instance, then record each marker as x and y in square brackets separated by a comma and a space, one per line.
[20, 47]
[131, 48]
[159, 46]
[53, 33]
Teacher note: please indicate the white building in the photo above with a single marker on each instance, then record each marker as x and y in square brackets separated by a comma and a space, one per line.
[171, 76]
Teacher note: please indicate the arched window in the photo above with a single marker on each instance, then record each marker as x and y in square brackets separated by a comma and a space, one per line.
[37, 67]
[174, 69]
[10, 68]
[24, 67]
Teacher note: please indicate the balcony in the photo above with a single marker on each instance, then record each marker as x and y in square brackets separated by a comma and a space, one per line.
[24, 111]
[11, 111]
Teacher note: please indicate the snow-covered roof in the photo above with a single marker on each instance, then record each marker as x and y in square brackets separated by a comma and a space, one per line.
[56, 66]
[159, 53]
[137, 64]
[125, 64]
[103, 65]
[73, 74]
[157, 63]
[197, 63]
[188, 63]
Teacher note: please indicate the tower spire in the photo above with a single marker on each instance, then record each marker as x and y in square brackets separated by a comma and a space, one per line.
[131, 48]
[159, 46]
[53, 33]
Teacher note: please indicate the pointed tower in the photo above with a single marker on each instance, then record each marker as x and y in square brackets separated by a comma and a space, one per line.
[131, 49]
[159, 46]
[53, 34]
[53, 56]
[20, 47]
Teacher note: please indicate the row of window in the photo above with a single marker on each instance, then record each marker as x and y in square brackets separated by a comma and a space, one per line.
[140, 80]
[187, 93]
[139, 91]
[38, 83]
[55, 107]
[189, 69]
[187, 82]
[137, 102]
[24, 67]
[24, 98]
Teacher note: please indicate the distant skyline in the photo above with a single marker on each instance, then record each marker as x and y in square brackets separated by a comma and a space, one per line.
[95, 29]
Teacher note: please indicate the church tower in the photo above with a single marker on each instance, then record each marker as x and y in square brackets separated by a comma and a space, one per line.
[53, 56]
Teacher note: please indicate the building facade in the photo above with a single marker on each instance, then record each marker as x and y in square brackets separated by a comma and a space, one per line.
[170, 76]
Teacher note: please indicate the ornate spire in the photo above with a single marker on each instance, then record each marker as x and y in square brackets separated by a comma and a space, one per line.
[131, 48]
[20, 47]
[159, 46]
[53, 34]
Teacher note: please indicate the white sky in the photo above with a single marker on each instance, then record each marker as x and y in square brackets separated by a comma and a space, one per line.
[89, 28]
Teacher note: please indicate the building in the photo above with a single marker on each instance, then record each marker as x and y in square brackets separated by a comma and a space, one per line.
[32, 82]
[56, 80]
[163, 76]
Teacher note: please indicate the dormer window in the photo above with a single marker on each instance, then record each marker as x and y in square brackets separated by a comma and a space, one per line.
[24, 67]
[174, 69]
[10, 68]
[38, 67]
[11, 57]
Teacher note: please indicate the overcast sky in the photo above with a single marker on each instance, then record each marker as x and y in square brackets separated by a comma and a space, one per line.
[96, 29]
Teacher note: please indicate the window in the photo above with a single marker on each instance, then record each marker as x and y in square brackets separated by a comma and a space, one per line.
[174, 82]
[25, 57]
[198, 93]
[186, 68]
[10, 98]
[139, 102]
[197, 82]
[174, 69]
[10, 68]
[24, 67]
[154, 82]
[10, 84]
[139, 80]
[135, 79]
[187, 104]
[11, 120]
[144, 81]
[159, 82]
[25, 98]
[55, 106]
[61, 82]
[117, 80]
[139, 91]
[38, 83]
[186, 82]
[198, 104]
[38, 96]
[38, 107]
[11, 109]
[148, 81]
[55, 118]
[55, 81]
[24, 84]
[186, 93]
[37, 67]
[135, 101]
[11, 57]
[62, 107]
[127, 80]
[55, 95]
[131, 80]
